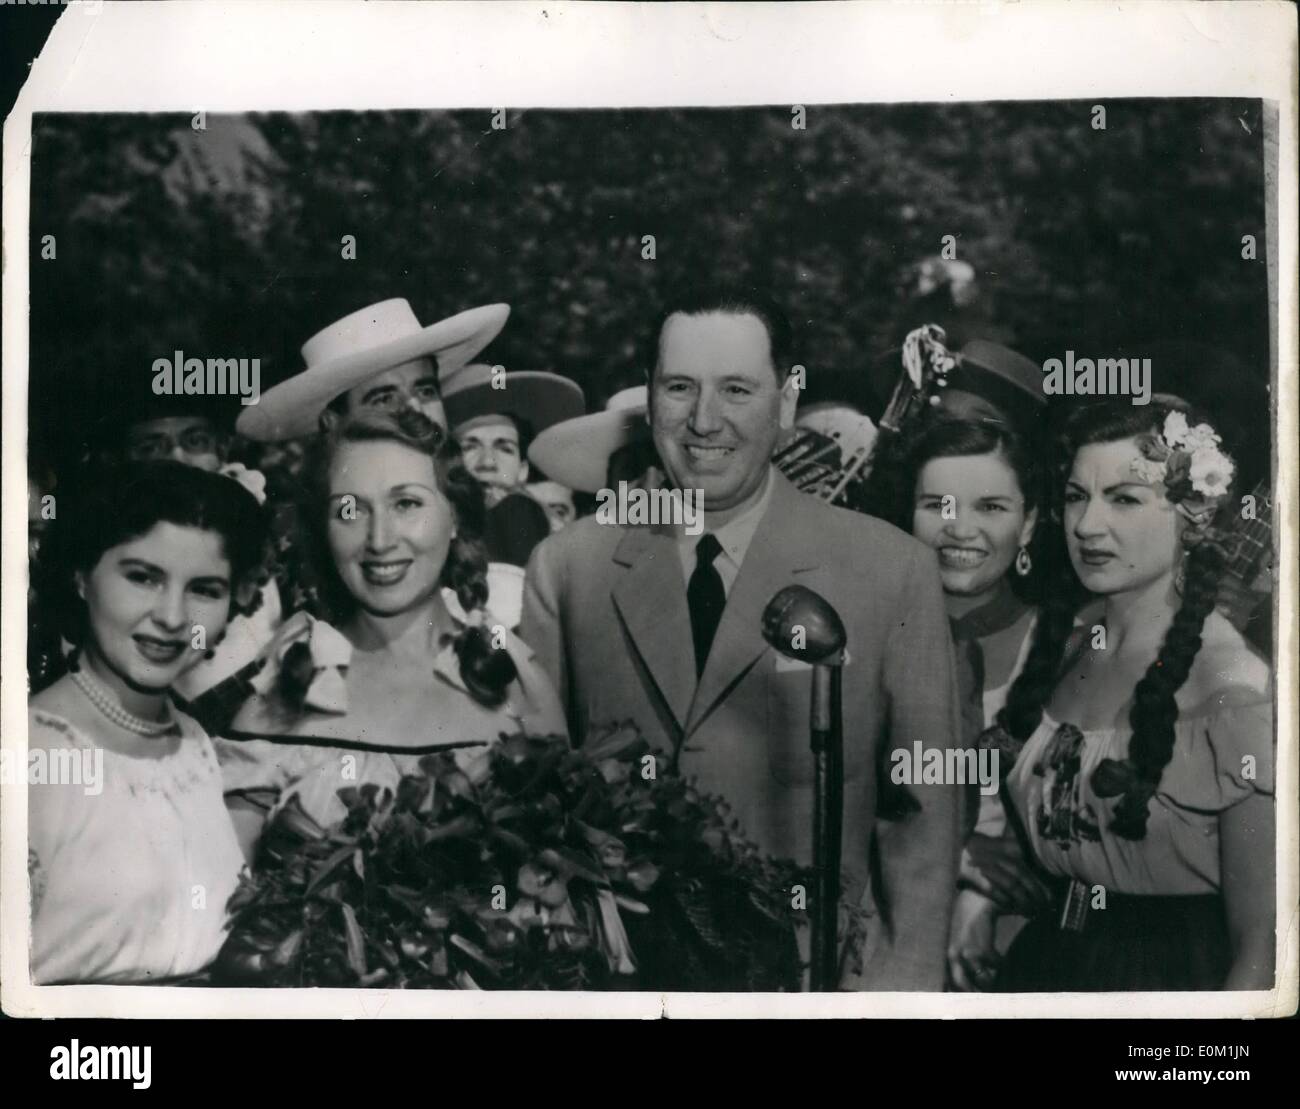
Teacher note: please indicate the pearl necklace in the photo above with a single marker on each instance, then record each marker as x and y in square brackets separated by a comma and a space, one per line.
[107, 704]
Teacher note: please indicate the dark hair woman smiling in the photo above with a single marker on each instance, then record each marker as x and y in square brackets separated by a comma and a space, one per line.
[133, 861]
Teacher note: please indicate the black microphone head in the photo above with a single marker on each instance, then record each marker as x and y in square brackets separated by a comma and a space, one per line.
[802, 625]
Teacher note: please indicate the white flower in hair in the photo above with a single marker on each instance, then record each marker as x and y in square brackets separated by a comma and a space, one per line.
[1202, 435]
[252, 480]
[1210, 471]
[1149, 469]
[1175, 430]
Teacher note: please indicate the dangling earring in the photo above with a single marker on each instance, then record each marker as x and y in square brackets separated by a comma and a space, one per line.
[1023, 562]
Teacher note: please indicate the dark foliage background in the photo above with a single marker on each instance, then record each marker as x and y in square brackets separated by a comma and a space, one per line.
[226, 242]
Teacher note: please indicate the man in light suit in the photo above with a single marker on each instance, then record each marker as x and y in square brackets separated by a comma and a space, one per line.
[653, 624]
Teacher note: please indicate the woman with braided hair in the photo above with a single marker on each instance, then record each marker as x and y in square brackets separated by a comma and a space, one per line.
[1140, 745]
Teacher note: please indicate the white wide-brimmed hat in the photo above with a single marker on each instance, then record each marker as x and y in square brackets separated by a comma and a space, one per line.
[576, 452]
[543, 399]
[358, 347]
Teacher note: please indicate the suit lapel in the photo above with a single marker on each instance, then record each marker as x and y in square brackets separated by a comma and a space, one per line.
[783, 546]
[651, 598]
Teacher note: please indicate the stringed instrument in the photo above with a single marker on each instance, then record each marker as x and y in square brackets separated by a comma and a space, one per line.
[831, 451]
[828, 453]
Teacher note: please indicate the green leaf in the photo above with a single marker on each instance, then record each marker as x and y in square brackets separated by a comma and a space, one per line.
[476, 953]
[572, 865]
[287, 951]
[355, 940]
[517, 844]
[632, 905]
[327, 868]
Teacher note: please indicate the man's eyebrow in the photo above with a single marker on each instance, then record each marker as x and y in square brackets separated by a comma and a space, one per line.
[378, 390]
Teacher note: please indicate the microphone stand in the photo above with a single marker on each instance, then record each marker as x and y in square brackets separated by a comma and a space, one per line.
[797, 615]
[828, 819]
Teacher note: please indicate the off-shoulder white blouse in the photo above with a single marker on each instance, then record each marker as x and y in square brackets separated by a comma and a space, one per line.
[1219, 759]
[312, 754]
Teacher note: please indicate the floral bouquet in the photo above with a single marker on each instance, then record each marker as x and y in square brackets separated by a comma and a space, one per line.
[542, 867]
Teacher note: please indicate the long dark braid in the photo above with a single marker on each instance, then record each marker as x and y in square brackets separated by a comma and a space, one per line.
[1154, 710]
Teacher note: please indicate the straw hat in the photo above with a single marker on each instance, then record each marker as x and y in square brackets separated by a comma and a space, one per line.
[355, 349]
[543, 399]
[576, 452]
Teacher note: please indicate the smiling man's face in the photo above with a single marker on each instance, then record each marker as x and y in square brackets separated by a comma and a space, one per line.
[718, 406]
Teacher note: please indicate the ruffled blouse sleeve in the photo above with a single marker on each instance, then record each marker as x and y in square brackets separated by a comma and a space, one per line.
[1222, 757]
[249, 764]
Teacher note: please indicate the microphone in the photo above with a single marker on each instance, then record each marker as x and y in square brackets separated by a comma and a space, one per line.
[802, 625]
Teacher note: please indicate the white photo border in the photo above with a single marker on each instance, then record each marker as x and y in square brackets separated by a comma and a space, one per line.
[302, 55]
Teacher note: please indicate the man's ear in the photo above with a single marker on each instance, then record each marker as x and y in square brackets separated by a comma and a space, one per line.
[329, 419]
[523, 472]
[1027, 528]
[79, 582]
[789, 402]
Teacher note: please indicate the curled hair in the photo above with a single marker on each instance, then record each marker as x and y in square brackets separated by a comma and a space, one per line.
[900, 460]
[112, 505]
[1154, 710]
[486, 670]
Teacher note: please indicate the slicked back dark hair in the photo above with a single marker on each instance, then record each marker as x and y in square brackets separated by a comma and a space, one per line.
[702, 300]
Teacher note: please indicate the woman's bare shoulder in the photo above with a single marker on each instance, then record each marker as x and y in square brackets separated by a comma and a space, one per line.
[1227, 670]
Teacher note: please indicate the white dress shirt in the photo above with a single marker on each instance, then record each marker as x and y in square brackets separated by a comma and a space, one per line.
[734, 537]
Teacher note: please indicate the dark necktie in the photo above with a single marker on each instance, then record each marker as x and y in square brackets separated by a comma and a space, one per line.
[706, 598]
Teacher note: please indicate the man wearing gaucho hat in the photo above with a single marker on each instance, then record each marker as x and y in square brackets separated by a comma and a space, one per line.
[493, 416]
[379, 358]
